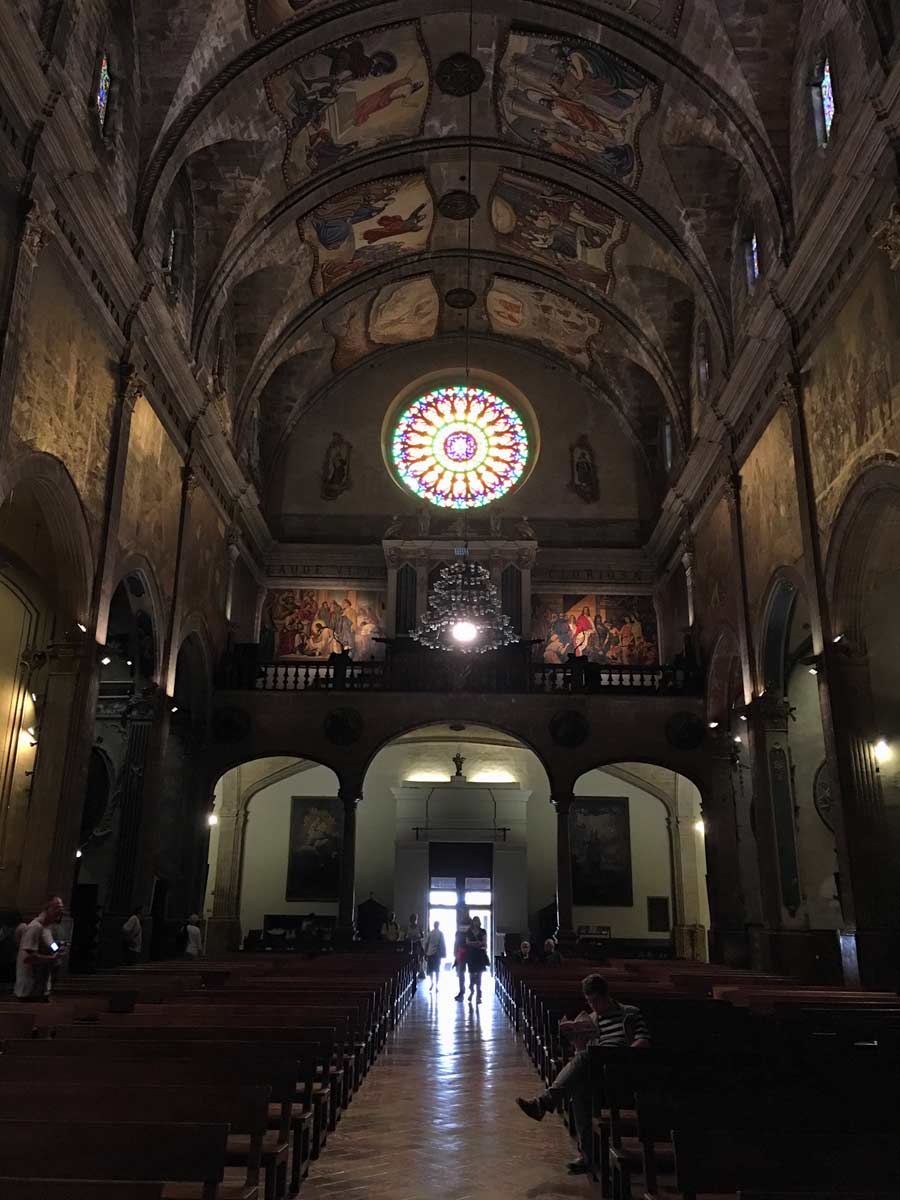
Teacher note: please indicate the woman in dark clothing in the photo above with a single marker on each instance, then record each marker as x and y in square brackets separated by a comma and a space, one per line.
[459, 950]
[476, 957]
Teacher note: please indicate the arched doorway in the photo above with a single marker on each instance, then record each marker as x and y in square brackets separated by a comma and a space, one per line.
[639, 861]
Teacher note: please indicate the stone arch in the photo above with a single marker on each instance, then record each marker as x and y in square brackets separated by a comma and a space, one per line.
[56, 495]
[785, 587]
[523, 740]
[139, 567]
[724, 678]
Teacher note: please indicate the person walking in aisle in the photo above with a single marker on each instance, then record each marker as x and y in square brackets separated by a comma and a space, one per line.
[414, 937]
[476, 957]
[435, 953]
[459, 950]
[193, 947]
[132, 938]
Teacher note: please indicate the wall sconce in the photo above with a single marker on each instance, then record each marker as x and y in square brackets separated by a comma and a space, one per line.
[882, 751]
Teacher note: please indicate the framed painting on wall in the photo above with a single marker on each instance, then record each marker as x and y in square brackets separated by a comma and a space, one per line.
[601, 852]
[314, 852]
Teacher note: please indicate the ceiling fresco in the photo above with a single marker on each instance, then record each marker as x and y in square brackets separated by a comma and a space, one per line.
[535, 314]
[404, 312]
[556, 227]
[368, 226]
[348, 97]
[575, 100]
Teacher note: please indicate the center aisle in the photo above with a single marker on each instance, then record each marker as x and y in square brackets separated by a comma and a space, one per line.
[437, 1119]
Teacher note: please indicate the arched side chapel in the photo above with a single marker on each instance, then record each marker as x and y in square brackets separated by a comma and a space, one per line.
[273, 360]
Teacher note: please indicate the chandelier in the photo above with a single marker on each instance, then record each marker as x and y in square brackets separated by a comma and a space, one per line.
[464, 612]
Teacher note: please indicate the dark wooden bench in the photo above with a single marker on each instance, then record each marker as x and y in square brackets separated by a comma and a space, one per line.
[185, 1153]
[76, 1189]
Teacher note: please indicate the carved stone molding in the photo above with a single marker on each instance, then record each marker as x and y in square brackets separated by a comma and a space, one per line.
[887, 236]
[134, 389]
[789, 397]
[38, 230]
[731, 483]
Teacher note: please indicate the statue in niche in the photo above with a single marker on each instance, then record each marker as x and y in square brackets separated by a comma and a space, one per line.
[423, 522]
[336, 468]
[524, 530]
[584, 482]
[458, 760]
[496, 524]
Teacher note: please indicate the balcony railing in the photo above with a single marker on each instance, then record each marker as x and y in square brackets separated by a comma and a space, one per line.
[432, 672]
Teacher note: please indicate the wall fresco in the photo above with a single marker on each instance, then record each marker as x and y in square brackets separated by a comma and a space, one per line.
[523, 310]
[367, 226]
[305, 623]
[576, 100]
[350, 96]
[405, 312]
[617, 630]
[557, 227]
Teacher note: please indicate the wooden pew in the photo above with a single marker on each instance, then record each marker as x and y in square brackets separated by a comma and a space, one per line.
[244, 1109]
[76, 1189]
[712, 1161]
[185, 1153]
[277, 1073]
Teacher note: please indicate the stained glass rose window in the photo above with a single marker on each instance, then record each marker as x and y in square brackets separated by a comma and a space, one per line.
[460, 447]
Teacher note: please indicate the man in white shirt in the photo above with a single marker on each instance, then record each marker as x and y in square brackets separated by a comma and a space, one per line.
[194, 946]
[39, 954]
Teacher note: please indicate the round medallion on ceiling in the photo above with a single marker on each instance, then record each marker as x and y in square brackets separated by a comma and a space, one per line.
[459, 447]
[458, 205]
[459, 75]
[460, 297]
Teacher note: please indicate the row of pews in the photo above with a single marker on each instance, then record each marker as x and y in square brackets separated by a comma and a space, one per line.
[211, 1080]
[756, 1087]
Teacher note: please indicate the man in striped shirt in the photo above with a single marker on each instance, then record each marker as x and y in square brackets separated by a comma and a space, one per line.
[607, 1023]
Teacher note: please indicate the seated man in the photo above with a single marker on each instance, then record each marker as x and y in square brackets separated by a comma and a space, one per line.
[608, 1023]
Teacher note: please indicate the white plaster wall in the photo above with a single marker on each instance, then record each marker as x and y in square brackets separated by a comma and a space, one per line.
[650, 857]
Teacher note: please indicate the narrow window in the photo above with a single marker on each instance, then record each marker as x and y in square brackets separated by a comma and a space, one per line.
[823, 101]
[169, 264]
[668, 444]
[703, 360]
[103, 91]
[751, 258]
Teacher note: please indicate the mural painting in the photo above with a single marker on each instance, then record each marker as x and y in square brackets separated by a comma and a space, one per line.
[576, 100]
[584, 481]
[336, 468]
[601, 852]
[610, 630]
[367, 226]
[405, 312]
[306, 623]
[314, 855]
[523, 310]
[348, 327]
[557, 227]
[350, 96]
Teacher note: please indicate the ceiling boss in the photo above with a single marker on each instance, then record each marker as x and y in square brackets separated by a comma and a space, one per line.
[460, 447]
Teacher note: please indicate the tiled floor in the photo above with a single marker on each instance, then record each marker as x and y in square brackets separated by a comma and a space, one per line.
[436, 1118]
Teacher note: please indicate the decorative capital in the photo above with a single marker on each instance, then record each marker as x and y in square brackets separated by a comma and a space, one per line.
[789, 397]
[772, 711]
[887, 236]
[37, 231]
[133, 389]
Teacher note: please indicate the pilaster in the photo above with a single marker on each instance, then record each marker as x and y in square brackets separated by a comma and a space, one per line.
[562, 802]
[350, 793]
[725, 872]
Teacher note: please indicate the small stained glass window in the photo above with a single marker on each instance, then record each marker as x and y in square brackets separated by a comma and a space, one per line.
[824, 94]
[751, 253]
[668, 444]
[103, 89]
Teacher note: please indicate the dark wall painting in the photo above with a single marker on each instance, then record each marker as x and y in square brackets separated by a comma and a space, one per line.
[611, 630]
[601, 852]
[314, 856]
[576, 100]
[307, 623]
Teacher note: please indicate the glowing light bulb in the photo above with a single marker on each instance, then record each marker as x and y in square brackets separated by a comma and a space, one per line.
[128, 662]
[83, 628]
[78, 854]
[700, 826]
[743, 716]
[839, 638]
[738, 739]
[464, 631]
[882, 751]
[714, 724]
[105, 660]
[212, 820]
[813, 670]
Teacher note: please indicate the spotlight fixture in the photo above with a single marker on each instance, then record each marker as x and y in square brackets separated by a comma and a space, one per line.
[174, 708]
[882, 751]
[128, 662]
[738, 740]
[743, 716]
[813, 670]
[714, 724]
[212, 820]
[78, 854]
[30, 730]
[105, 660]
[83, 628]
[34, 697]
[839, 638]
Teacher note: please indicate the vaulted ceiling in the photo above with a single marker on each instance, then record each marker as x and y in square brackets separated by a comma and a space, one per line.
[360, 176]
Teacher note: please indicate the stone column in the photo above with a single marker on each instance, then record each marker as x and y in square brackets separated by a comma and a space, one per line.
[774, 810]
[562, 802]
[350, 793]
[64, 736]
[726, 865]
[223, 928]
[687, 561]
[147, 729]
[745, 636]
[35, 232]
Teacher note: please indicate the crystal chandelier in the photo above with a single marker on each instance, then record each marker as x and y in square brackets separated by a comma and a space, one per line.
[464, 612]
